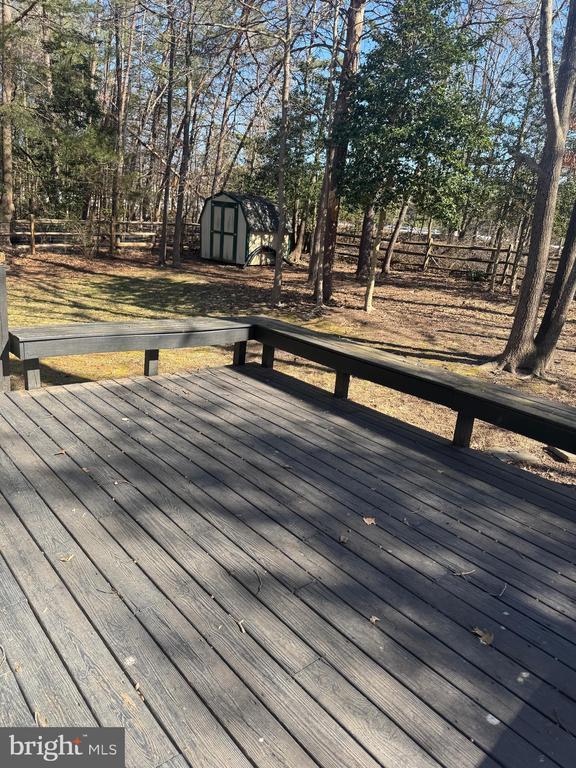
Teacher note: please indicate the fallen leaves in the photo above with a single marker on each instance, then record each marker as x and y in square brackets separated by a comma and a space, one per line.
[66, 558]
[41, 721]
[369, 520]
[374, 619]
[485, 637]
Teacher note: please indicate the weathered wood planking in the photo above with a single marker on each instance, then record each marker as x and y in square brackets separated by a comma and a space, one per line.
[328, 472]
[293, 482]
[222, 517]
[130, 429]
[232, 642]
[376, 470]
[79, 388]
[187, 649]
[505, 483]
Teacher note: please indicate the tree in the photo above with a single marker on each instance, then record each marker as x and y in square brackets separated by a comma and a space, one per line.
[523, 350]
[412, 119]
[561, 298]
[7, 200]
[338, 147]
[282, 156]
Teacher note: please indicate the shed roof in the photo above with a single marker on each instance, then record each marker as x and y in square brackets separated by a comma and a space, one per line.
[261, 213]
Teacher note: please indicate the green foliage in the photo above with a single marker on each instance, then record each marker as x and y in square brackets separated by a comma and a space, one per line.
[413, 120]
[566, 198]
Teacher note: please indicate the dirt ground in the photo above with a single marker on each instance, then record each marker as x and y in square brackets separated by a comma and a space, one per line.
[424, 318]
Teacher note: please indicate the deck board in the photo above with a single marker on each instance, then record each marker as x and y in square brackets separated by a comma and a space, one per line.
[325, 523]
[222, 564]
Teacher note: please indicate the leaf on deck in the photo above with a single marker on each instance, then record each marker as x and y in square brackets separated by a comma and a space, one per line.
[485, 637]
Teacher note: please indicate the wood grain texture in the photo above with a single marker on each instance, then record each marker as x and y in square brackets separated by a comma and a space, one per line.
[224, 558]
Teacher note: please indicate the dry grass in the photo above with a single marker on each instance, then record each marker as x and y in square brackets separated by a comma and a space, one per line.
[427, 319]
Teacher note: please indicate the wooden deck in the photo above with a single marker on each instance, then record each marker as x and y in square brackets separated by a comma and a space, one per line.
[244, 571]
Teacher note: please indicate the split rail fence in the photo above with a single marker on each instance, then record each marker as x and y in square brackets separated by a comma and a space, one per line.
[93, 236]
[499, 265]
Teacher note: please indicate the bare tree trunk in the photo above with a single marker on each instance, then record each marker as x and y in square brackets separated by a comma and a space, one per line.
[558, 306]
[337, 148]
[183, 177]
[279, 235]
[520, 351]
[296, 253]
[119, 111]
[315, 265]
[520, 243]
[387, 263]
[7, 202]
[168, 144]
[365, 250]
[369, 295]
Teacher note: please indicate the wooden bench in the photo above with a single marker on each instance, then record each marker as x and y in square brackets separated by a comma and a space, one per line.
[32, 343]
[544, 420]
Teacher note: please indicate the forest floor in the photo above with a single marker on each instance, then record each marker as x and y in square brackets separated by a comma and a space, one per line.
[424, 318]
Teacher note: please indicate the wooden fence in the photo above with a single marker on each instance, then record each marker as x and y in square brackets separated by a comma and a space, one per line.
[498, 265]
[93, 236]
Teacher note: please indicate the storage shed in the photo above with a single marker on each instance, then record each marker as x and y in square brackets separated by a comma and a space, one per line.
[238, 229]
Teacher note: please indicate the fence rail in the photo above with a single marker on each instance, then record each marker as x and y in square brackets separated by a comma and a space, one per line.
[94, 235]
[498, 264]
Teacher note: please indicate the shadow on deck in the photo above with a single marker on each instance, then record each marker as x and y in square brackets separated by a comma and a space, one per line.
[241, 570]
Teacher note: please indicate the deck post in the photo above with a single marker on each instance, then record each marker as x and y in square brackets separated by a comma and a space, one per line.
[239, 353]
[4, 353]
[268, 356]
[32, 378]
[151, 357]
[463, 430]
[341, 385]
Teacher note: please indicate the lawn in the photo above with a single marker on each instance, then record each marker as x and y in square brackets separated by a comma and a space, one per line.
[428, 319]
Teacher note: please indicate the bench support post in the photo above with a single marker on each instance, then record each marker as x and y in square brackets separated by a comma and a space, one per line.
[32, 378]
[151, 357]
[239, 353]
[5, 369]
[341, 385]
[463, 430]
[267, 356]
[4, 354]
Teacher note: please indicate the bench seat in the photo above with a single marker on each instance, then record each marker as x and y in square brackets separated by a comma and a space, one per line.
[32, 343]
[547, 421]
[544, 420]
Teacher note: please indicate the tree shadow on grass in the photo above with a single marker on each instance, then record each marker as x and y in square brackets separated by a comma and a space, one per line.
[164, 296]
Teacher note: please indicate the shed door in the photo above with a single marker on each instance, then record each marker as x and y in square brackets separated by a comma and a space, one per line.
[224, 231]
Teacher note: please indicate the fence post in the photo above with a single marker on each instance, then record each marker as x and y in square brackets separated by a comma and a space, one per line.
[428, 253]
[4, 354]
[32, 235]
[493, 271]
[506, 264]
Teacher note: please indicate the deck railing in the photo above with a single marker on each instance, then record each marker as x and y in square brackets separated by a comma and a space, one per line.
[547, 421]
